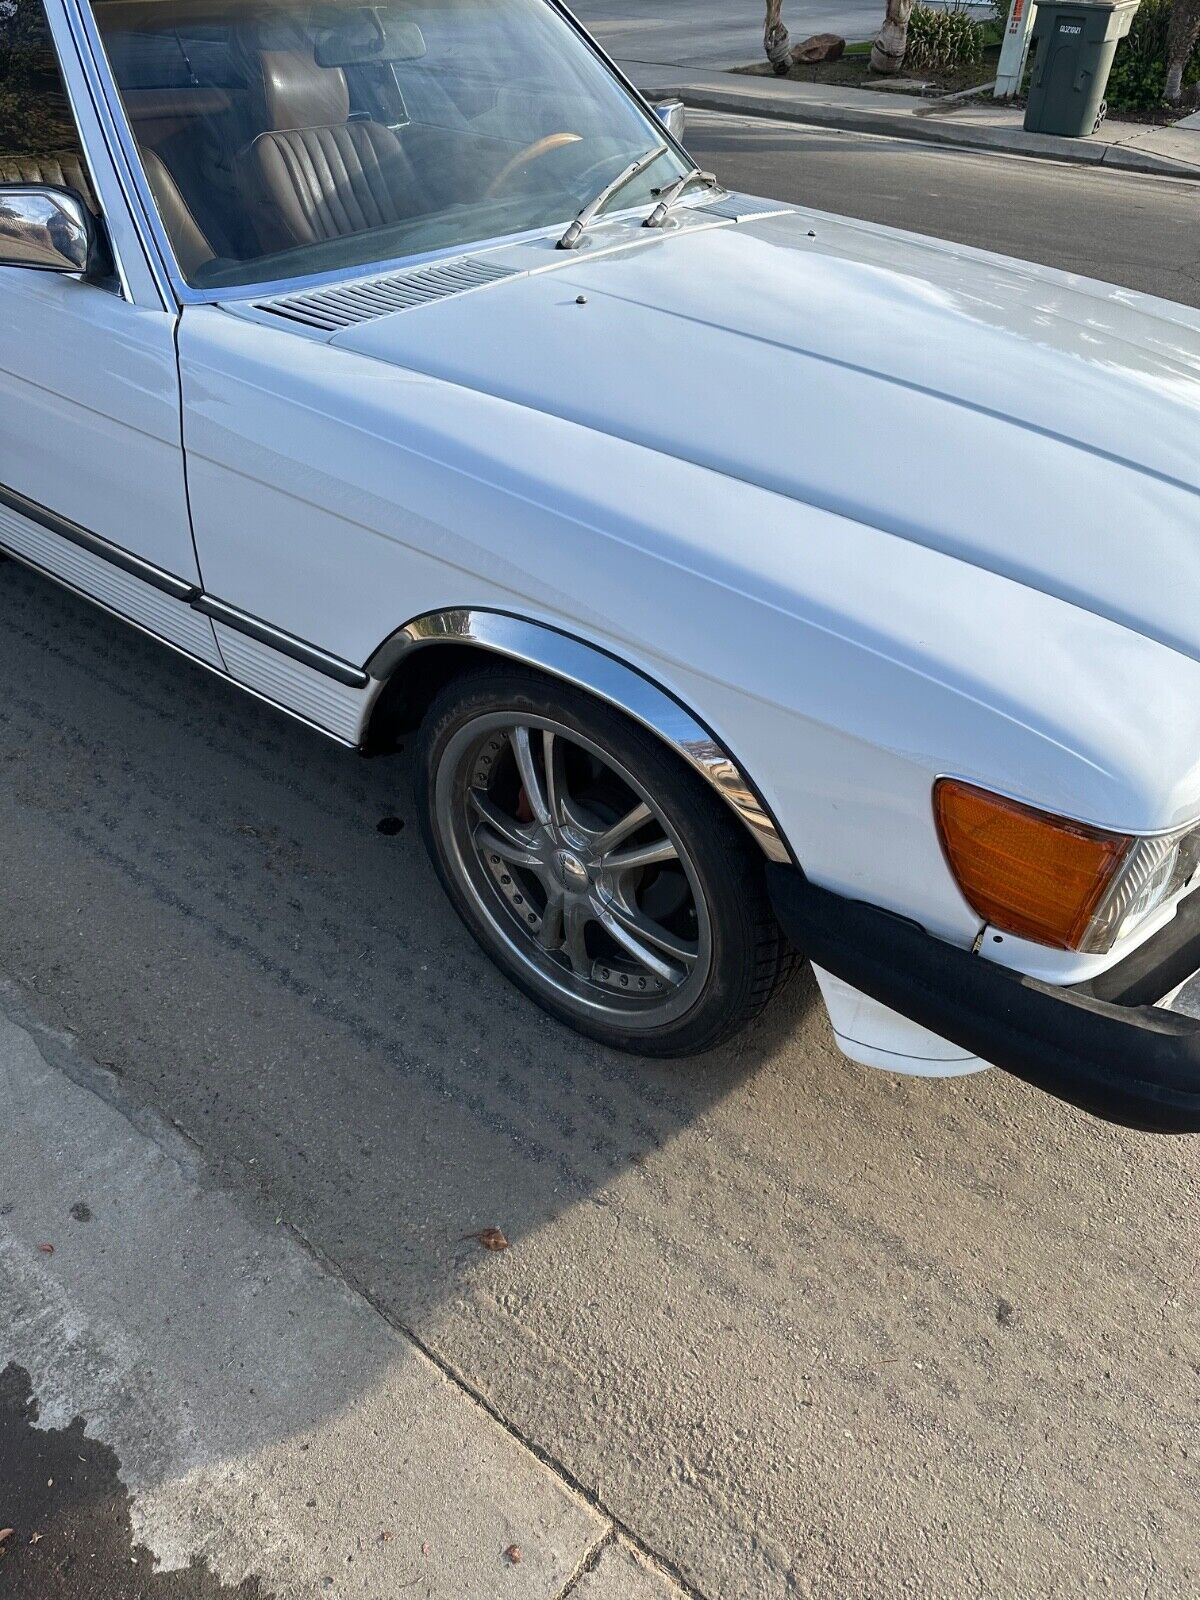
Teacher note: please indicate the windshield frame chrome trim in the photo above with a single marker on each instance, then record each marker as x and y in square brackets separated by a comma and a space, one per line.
[121, 150]
[126, 159]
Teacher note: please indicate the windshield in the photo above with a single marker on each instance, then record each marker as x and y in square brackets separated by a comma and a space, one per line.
[282, 140]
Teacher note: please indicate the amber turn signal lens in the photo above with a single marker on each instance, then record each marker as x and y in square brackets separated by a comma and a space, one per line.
[1023, 870]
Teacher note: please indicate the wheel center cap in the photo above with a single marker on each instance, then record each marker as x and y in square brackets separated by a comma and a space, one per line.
[574, 873]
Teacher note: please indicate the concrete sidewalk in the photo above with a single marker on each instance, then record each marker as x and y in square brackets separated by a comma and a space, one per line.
[981, 125]
[192, 1405]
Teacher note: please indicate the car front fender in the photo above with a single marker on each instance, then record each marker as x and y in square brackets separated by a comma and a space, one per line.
[594, 670]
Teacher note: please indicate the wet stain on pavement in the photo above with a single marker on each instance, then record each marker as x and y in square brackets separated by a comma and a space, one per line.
[72, 1538]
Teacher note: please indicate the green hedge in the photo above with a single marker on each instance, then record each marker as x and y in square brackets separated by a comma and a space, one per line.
[943, 39]
[1140, 68]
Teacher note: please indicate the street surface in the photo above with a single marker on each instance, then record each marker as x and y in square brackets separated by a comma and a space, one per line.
[1136, 231]
[788, 1325]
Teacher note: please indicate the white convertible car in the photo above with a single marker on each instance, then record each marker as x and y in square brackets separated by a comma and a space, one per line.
[760, 581]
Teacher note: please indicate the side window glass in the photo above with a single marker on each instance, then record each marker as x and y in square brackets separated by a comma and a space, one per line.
[39, 142]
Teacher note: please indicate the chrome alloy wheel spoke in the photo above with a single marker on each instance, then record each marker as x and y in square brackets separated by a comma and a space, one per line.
[557, 797]
[582, 866]
[578, 915]
[661, 952]
[551, 934]
[653, 854]
[530, 778]
[499, 834]
[620, 831]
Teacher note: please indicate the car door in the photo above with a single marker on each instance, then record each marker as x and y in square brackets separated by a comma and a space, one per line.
[92, 484]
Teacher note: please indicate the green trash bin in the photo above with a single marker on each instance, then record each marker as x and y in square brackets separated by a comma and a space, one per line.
[1074, 45]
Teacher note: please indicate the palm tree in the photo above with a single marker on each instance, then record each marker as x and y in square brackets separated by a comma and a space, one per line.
[1183, 30]
[775, 38]
[887, 53]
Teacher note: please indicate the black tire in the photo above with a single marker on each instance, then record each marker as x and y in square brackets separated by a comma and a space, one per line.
[745, 954]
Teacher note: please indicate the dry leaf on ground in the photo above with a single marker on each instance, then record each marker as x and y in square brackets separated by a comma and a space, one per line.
[489, 1238]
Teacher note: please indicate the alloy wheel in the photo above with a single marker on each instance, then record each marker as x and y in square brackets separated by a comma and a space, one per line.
[575, 867]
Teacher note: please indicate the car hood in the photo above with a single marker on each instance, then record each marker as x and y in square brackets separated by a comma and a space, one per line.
[1036, 424]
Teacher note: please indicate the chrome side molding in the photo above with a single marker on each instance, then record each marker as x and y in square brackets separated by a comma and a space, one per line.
[32, 513]
[139, 594]
[587, 667]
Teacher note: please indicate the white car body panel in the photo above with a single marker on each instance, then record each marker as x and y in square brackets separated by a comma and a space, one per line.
[347, 487]
[510, 448]
[89, 394]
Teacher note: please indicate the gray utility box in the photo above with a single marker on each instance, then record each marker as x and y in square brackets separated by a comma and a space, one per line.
[1075, 45]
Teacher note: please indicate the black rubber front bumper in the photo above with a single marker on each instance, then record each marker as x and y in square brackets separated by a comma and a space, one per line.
[1101, 1045]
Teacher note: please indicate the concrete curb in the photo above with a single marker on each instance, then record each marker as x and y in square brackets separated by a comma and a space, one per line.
[928, 129]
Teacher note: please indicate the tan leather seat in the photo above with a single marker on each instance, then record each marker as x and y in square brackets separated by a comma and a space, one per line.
[64, 170]
[191, 248]
[321, 175]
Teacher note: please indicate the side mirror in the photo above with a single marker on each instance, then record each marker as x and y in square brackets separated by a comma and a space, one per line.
[671, 114]
[50, 230]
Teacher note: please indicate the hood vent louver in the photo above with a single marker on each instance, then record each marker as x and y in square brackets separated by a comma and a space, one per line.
[736, 206]
[343, 304]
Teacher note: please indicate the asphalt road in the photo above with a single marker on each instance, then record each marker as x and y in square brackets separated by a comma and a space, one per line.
[799, 1327]
[1140, 231]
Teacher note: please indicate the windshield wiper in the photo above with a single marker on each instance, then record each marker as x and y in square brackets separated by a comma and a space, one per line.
[574, 233]
[673, 191]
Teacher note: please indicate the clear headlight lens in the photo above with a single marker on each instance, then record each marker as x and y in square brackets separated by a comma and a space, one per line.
[1153, 871]
[1053, 880]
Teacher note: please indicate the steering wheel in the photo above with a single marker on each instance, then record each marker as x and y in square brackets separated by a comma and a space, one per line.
[532, 152]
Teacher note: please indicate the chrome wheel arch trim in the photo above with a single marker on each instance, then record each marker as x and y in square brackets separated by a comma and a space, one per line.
[588, 667]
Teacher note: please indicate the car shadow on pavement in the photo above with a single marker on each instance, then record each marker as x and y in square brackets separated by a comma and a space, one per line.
[238, 919]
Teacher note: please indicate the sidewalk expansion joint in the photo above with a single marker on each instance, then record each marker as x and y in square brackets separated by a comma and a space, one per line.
[617, 1526]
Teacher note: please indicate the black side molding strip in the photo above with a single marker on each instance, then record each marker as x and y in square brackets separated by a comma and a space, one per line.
[286, 643]
[191, 594]
[166, 582]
